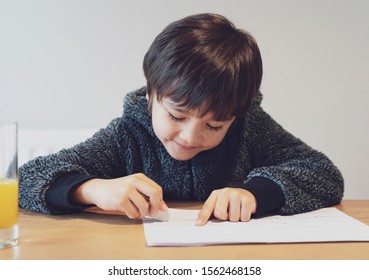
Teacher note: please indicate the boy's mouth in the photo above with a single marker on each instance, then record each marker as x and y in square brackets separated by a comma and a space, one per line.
[184, 147]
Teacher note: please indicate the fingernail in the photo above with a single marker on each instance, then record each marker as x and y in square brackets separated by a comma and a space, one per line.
[199, 222]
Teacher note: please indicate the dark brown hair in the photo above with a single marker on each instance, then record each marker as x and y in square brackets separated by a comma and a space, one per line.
[202, 62]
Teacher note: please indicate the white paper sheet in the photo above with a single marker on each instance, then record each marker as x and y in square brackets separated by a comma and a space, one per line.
[324, 225]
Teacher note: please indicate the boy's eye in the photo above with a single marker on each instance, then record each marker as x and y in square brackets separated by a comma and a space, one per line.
[175, 118]
[215, 128]
[210, 127]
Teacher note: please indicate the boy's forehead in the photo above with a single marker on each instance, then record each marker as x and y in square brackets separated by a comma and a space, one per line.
[179, 106]
[175, 105]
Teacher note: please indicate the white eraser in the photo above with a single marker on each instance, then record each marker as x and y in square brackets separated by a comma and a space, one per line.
[161, 216]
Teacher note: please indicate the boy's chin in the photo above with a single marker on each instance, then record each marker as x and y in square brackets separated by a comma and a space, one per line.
[181, 156]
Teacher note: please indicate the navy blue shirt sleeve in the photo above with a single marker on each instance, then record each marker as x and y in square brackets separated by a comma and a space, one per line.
[268, 194]
[58, 195]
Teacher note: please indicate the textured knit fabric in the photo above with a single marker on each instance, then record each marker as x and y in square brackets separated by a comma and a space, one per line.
[254, 148]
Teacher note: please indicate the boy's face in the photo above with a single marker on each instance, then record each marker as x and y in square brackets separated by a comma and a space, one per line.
[182, 132]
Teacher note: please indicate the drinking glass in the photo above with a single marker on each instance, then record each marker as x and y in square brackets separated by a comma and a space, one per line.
[8, 184]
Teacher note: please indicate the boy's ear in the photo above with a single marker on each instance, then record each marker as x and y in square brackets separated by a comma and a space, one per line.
[149, 101]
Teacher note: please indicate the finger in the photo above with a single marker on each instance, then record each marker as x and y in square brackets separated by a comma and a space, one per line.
[246, 209]
[163, 206]
[140, 203]
[130, 210]
[206, 211]
[151, 190]
[234, 207]
[221, 207]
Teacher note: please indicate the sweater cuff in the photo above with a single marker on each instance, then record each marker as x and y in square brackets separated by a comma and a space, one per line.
[268, 194]
[58, 195]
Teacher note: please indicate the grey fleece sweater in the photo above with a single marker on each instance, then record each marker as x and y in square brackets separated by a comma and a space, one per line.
[285, 175]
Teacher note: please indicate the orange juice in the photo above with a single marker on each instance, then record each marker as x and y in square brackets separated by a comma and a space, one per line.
[8, 202]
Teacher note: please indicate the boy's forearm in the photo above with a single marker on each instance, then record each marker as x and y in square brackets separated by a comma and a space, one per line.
[80, 194]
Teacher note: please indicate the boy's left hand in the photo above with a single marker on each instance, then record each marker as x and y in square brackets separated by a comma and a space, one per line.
[233, 204]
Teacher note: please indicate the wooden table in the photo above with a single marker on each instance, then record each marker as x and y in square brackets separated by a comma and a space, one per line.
[91, 235]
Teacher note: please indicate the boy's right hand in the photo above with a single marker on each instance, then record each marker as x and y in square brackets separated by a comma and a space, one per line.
[136, 195]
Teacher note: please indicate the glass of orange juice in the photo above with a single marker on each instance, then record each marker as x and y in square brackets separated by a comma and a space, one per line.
[8, 184]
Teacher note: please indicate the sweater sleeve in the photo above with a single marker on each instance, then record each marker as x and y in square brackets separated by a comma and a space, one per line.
[99, 156]
[307, 178]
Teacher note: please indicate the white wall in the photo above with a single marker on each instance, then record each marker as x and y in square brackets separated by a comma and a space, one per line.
[67, 64]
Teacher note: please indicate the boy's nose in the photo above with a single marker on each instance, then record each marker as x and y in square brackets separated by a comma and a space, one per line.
[191, 135]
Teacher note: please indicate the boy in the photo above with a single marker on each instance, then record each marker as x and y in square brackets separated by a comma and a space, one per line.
[196, 132]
